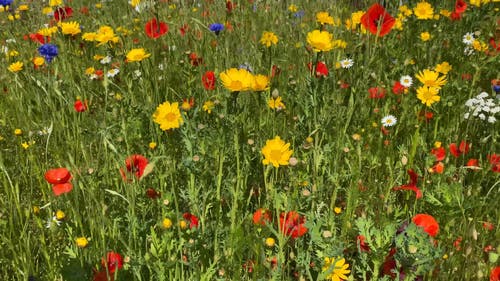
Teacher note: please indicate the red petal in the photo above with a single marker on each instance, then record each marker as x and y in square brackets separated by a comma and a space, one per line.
[59, 175]
[62, 188]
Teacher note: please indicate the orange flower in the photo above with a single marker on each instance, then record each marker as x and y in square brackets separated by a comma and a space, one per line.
[427, 222]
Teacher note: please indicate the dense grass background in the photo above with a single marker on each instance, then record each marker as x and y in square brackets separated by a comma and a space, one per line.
[212, 165]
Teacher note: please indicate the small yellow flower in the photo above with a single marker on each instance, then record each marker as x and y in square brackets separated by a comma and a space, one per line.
[293, 8]
[23, 8]
[81, 242]
[25, 145]
[134, 3]
[428, 95]
[15, 67]
[183, 224]
[405, 11]
[38, 61]
[437, 144]
[324, 18]
[276, 103]
[320, 41]
[167, 223]
[309, 140]
[47, 10]
[423, 11]
[337, 210]
[137, 55]
[276, 152]
[445, 13]
[425, 36]
[36, 210]
[270, 242]
[356, 137]
[70, 28]
[443, 67]
[18, 132]
[152, 145]
[336, 268]
[54, 3]
[98, 5]
[208, 106]
[168, 116]
[89, 71]
[13, 53]
[60, 215]
[268, 38]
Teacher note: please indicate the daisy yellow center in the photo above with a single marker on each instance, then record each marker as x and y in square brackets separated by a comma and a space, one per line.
[275, 154]
[171, 117]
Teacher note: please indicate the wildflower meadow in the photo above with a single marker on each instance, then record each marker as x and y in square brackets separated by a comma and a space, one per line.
[249, 140]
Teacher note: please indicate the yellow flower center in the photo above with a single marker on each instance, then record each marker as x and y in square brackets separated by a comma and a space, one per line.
[236, 85]
[170, 117]
[275, 154]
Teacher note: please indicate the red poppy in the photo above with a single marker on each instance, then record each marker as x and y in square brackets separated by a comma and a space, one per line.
[494, 45]
[460, 6]
[412, 185]
[439, 153]
[427, 222]
[102, 276]
[389, 265]
[80, 106]
[292, 224]
[63, 13]
[397, 88]
[275, 71]
[262, 216]
[473, 164]
[362, 244]
[455, 16]
[57, 176]
[184, 29]
[321, 69]
[112, 262]
[377, 20]
[230, 6]
[135, 164]
[208, 80]
[193, 220]
[488, 226]
[376, 93]
[39, 38]
[463, 148]
[457, 243]
[495, 274]
[155, 29]
[152, 193]
[495, 162]
[62, 188]
[438, 168]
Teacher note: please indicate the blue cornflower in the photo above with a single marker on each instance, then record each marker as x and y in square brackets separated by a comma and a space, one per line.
[216, 28]
[299, 14]
[5, 2]
[48, 51]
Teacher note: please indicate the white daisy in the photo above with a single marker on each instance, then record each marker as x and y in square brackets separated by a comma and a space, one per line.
[346, 63]
[468, 38]
[389, 121]
[52, 222]
[105, 60]
[406, 81]
[112, 72]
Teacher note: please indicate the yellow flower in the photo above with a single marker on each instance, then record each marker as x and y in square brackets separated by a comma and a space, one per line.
[324, 18]
[38, 61]
[423, 11]
[443, 67]
[89, 36]
[48, 31]
[166, 223]
[437, 144]
[476, 3]
[445, 13]
[340, 44]
[15, 67]
[89, 71]
[261, 83]
[137, 55]
[268, 39]
[104, 35]
[276, 103]
[355, 20]
[25, 145]
[152, 145]
[208, 106]
[320, 41]
[405, 11]
[47, 10]
[18, 132]
[479, 46]
[36, 210]
[183, 224]
[270, 242]
[276, 152]
[168, 116]
[337, 210]
[23, 8]
[70, 28]
[237, 80]
[60, 215]
[134, 3]
[428, 95]
[53, 3]
[293, 8]
[431, 79]
[81, 242]
[13, 53]
[425, 36]
[336, 269]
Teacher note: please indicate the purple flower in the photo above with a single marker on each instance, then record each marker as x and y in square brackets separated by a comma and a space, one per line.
[216, 28]
[5, 2]
[48, 51]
